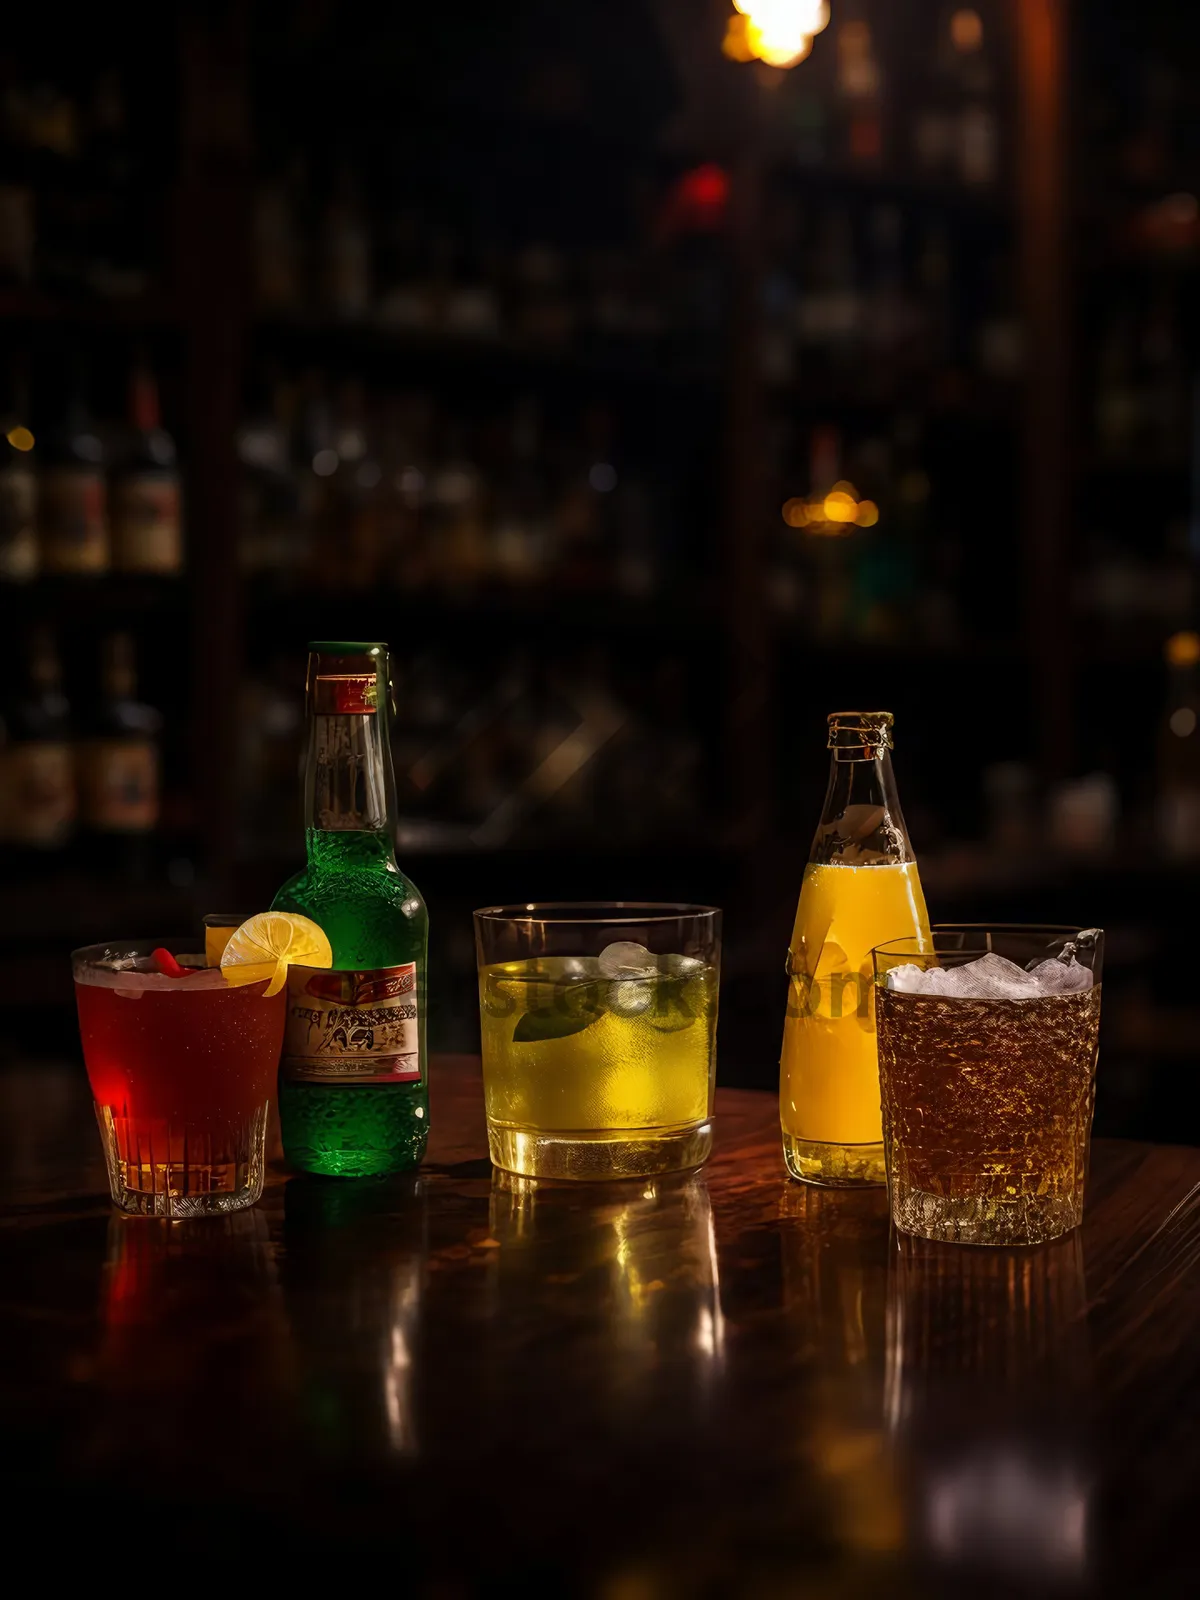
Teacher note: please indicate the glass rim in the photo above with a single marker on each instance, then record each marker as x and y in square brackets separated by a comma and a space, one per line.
[911, 942]
[95, 954]
[616, 912]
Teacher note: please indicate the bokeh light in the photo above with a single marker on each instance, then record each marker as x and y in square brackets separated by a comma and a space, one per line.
[838, 512]
[1183, 649]
[966, 31]
[840, 506]
[777, 32]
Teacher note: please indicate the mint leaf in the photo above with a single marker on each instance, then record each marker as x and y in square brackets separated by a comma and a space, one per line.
[536, 1025]
[571, 1012]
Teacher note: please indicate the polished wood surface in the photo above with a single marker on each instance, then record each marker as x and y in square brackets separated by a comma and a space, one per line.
[462, 1383]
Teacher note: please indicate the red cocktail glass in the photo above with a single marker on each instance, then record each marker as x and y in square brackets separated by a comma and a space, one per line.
[182, 1070]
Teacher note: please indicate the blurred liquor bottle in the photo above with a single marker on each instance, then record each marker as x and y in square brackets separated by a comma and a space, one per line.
[1179, 751]
[520, 535]
[16, 234]
[978, 125]
[38, 803]
[935, 279]
[404, 459]
[956, 130]
[456, 514]
[1147, 152]
[17, 203]
[271, 759]
[146, 515]
[860, 88]
[472, 308]
[73, 529]
[831, 311]
[116, 251]
[315, 462]
[889, 314]
[269, 490]
[346, 251]
[18, 482]
[119, 766]
[357, 493]
[545, 313]
[279, 274]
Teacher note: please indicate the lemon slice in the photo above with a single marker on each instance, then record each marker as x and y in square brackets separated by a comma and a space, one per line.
[265, 945]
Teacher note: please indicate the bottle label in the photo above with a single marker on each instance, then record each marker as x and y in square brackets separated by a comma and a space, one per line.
[38, 793]
[352, 1027]
[72, 521]
[146, 525]
[120, 785]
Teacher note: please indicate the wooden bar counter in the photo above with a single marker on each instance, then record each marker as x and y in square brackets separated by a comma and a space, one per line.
[461, 1383]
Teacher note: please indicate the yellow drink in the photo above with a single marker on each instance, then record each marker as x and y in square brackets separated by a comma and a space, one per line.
[829, 1069]
[589, 1076]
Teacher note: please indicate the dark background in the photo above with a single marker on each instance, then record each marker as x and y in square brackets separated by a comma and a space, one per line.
[506, 333]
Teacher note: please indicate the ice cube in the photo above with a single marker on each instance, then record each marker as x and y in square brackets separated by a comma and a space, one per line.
[630, 997]
[911, 980]
[627, 960]
[1059, 976]
[991, 977]
[681, 966]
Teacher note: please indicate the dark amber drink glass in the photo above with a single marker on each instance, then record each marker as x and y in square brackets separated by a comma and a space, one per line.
[987, 1068]
[182, 1071]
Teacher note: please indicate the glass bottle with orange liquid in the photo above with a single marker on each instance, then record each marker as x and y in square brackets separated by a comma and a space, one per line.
[860, 888]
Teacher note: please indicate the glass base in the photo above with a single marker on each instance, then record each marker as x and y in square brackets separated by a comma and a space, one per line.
[590, 1157]
[165, 1171]
[834, 1166]
[981, 1219]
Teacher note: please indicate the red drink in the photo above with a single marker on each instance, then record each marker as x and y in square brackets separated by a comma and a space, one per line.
[182, 1070]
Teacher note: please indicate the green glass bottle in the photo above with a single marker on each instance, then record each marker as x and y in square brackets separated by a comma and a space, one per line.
[353, 1083]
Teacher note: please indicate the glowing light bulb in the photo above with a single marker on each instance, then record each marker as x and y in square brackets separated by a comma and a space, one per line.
[868, 514]
[1183, 722]
[20, 438]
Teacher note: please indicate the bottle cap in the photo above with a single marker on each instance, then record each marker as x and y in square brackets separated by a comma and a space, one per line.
[859, 729]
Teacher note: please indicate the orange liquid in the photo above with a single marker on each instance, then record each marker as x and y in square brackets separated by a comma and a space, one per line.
[829, 1068]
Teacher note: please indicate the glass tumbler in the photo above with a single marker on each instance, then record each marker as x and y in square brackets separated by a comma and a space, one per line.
[599, 1027]
[182, 1071]
[987, 1063]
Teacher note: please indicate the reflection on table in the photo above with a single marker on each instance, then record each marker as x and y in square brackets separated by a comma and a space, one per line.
[354, 1275]
[987, 1367]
